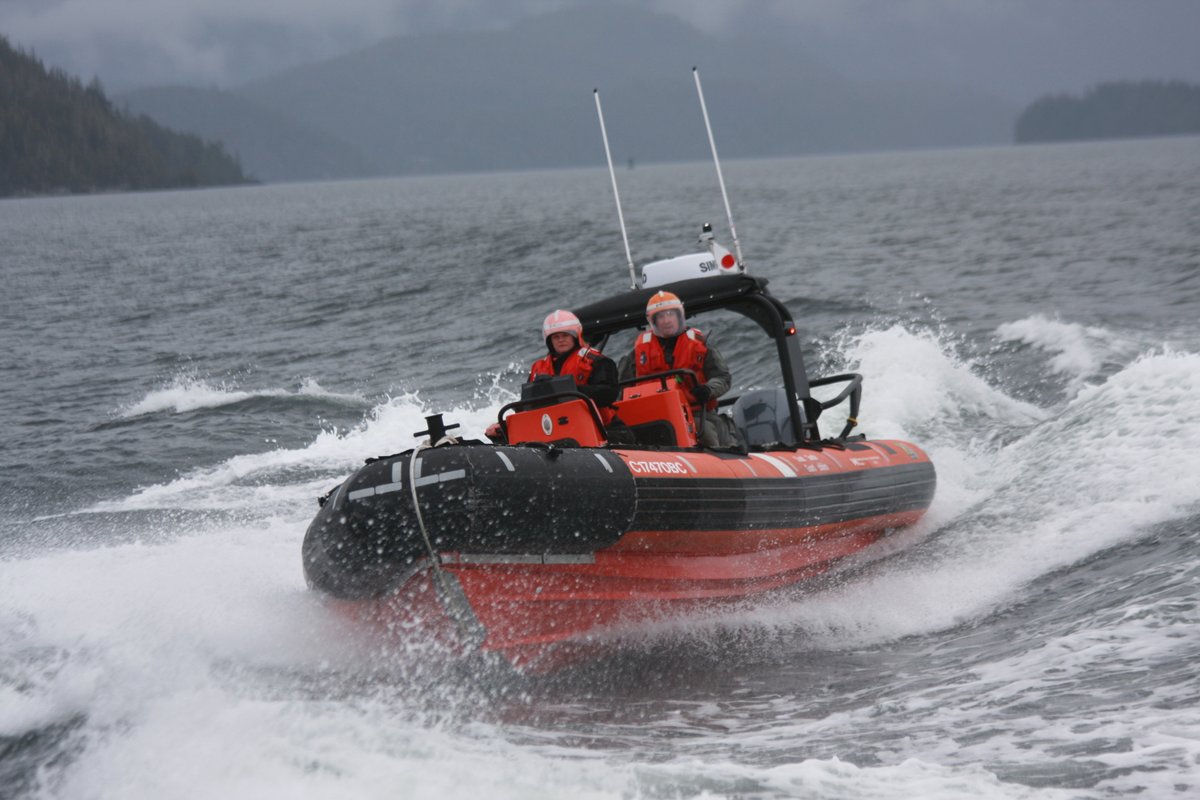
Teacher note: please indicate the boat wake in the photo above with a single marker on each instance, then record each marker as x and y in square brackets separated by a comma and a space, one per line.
[1024, 491]
[115, 651]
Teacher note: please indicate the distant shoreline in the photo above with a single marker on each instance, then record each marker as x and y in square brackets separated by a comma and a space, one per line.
[1119, 110]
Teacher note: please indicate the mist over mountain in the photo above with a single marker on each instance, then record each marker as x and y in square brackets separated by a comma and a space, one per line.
[279, 147]
[520, 98]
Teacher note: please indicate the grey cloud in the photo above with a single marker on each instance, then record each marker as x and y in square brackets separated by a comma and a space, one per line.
[1016, 49]
[131, 42]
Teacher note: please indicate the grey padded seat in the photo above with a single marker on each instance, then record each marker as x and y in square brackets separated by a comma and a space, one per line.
[763, 416]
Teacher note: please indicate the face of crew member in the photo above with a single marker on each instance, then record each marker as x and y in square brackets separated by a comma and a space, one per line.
[562, 342]
[666, 323]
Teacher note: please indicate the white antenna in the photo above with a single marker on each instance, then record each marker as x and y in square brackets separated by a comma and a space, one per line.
[720, 178]
[612, 173]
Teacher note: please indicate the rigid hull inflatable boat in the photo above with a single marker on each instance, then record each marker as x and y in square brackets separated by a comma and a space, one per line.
[536, 549]
[539, 549]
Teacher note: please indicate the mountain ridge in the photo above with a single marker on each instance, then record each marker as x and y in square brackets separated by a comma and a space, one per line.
[519, 98]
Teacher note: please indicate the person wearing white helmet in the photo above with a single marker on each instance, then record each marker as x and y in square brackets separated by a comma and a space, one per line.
[594, 373]
[671, 344]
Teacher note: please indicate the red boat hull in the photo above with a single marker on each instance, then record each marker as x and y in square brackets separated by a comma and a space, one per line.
[540, 611]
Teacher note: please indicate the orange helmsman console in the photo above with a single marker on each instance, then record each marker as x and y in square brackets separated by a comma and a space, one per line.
[657, 410]
[568, 423]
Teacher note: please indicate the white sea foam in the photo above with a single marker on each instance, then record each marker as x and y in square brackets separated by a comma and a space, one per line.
[915, 388]
[1105, 469]
[834, 778]
[207, 743]
[113, 631]
[1078, 349]
[914, 382]
[262, 482]
[189, 393]
[1079, 353]
[1118, 459]
[159, 652]
[158, 647]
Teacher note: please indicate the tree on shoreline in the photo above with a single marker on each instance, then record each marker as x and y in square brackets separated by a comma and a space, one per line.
[1113, 111]
[57, 135]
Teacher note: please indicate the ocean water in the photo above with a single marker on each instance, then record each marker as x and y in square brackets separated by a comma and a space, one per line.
[183, 373]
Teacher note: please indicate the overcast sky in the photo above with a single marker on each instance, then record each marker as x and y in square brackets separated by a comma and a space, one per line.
[1016, 49]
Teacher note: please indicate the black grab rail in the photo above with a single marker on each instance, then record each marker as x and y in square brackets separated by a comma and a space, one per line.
[853, 391]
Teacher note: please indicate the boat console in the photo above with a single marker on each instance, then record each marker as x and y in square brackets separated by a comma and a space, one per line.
[656, 409]
[553, 411]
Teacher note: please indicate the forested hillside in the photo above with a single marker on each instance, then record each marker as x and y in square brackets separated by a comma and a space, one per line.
[1114, 111]
[57, 135]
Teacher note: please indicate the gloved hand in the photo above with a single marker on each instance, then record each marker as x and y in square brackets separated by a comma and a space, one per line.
[702, 393]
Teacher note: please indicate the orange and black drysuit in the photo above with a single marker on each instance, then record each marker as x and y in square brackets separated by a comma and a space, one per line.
[688, 350]
[595, 375]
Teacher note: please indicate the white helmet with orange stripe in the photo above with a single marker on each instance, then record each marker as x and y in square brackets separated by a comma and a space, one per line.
[562, 322]
[660, 310]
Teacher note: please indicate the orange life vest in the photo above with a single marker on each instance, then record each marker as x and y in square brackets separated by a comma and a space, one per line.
[579, 366]
[690, 352]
